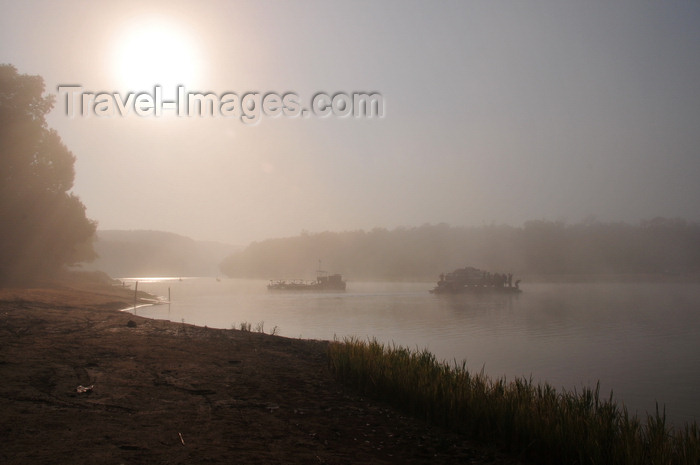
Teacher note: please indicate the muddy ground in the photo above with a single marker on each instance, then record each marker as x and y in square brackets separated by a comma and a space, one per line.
[166, 393]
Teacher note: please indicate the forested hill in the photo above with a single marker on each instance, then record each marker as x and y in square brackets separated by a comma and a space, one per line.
[659, 246]
[156, 253]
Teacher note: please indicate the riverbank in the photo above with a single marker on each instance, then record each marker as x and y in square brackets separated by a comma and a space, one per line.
[162, 392]
[568, 427]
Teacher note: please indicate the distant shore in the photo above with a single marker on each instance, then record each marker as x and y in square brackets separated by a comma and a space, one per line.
[535, 278]
[613, 278]
[86, 383]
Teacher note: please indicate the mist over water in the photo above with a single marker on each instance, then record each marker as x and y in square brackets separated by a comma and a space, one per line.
[640, 340]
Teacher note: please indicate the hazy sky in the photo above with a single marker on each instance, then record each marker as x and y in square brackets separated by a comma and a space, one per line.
[495, 111]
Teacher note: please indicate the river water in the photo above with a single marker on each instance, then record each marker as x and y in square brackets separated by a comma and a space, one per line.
[640, 340]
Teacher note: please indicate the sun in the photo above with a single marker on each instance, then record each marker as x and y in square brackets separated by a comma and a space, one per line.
[156, 51]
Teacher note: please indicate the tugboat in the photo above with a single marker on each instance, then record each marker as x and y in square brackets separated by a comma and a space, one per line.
[473, 280]
[324, 282]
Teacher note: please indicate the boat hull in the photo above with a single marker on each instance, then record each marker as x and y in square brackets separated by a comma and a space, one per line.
[476, 290]
[323, 282]
[305, 287]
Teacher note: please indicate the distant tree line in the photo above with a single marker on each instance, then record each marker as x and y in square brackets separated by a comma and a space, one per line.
[155, 253]
[551, 248]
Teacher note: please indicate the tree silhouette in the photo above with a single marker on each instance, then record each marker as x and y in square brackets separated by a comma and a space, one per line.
[44, 226]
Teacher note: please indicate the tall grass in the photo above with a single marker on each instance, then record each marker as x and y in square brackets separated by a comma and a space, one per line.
[534, 421]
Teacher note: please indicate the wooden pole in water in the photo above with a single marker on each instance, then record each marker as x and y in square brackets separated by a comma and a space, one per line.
[136, 290]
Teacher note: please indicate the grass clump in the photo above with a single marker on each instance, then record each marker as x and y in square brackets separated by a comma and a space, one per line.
[534, 421]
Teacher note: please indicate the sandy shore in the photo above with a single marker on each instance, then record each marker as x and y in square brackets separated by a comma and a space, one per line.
[167, 393]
